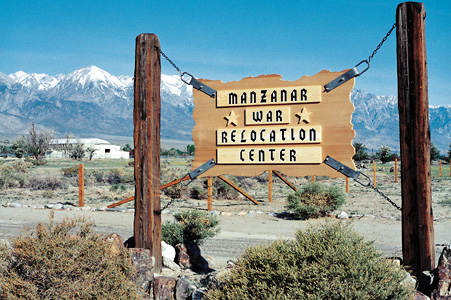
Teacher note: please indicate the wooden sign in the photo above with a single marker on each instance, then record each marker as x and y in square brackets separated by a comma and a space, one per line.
[265, 123]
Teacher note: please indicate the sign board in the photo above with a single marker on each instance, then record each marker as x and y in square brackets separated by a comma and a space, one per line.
[265, 123]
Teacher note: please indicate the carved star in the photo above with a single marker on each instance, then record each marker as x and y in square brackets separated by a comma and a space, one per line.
[231, 119]
[303, 115]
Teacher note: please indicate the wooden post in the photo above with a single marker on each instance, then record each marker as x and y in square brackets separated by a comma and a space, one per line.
[417, 218]
[209, 193]
[146, 117]
[285, 180]
[396, 170]
[440, 168]
[81, 186]
[270, 185]
[313, 178]
[374, 173]
[347, 184]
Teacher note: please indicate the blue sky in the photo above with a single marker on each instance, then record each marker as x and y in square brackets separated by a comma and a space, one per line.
[225, 40]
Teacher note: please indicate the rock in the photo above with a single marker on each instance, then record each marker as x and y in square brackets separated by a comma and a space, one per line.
[198, 263]
[421, 296]
[199, 294]
[14, 204]
[143, 261]
[116, 209]
[164, 287]
[443, 290]
[226, 214]
[182, 257]
[48, 206]
[342, 216]
[167, 251]
[67, 207]
[85, 208]
[166, 272]
[170, 264]
[57, 206]
[242, 213]
[116, 243]
[184, 289]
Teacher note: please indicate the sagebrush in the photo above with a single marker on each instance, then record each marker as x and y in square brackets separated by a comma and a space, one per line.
[65, 260]
[315, 200]
[327, 262]
[190, 227]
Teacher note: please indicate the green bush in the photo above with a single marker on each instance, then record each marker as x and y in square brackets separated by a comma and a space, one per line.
[314, 200]
[190, 227]
[65, 261]
[9, 178]
[326, 262]
[71, 171]
[46, 183]
[224, 190]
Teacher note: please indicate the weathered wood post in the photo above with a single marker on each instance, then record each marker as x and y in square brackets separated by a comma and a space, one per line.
[146, 136]
[440, 168]
[209, 193]
[374, 173]
[347, 184]
[396, 170]
[417, 219]
[81, 186]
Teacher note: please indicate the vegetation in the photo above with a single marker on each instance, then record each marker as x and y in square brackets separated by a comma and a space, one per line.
[384, 154]
[435, 153]
[90, 152]
[190, 227]
[360, 153]
[39, 143]
[315, 200]
[327, 262]
[78, 152]
[65, 260]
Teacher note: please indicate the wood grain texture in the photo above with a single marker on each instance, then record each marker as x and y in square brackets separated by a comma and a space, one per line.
[413, 106]
[332, 114]
[146, 116]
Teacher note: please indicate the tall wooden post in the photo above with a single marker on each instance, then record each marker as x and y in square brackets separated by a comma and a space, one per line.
[347, 184]
[417, 219]
[440, 168]
[146, 117]
[81, 186]
[374, 173]
[396, 170]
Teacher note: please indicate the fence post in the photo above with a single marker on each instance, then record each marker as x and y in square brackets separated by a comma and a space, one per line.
[347, 184]
[270, 185]
[81, 186]
[440, 168]
[209, 193]
[146, 136]
[417, 218]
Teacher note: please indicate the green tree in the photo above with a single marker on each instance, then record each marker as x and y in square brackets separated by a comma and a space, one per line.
[19, 147]
[190, 149]
[384, 154]
[435, 153]
[360, 153]
[78, 152]
[127, 147]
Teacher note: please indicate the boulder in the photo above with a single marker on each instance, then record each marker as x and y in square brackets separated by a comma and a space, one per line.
[168, 251]
[184, 289]
[116, 243]
[143, 261]
[443, 290]
[164, 287]
[182, 257]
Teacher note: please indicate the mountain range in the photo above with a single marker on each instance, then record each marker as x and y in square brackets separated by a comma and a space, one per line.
[90, 102]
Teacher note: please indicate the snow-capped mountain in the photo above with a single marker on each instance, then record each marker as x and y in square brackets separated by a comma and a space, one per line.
[90, 102]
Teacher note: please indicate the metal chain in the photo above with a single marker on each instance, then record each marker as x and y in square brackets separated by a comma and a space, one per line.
[386, 198]
[170, 61]
[381, 43]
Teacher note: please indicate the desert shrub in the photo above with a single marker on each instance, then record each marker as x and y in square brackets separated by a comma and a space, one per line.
[21, 166]
[118, 188]
[173, 191]
[48, 194]
[190, 227]
[198, 192]
[249, 183]
[325, 262]
[314, 200]
[45, 183]
[98, 176]
[225, 191]
[9, 178]
[71, 171]
[65, 261]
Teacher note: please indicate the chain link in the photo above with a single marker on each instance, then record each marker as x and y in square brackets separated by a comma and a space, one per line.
[386, 198]
[381, 43]
[170, 61]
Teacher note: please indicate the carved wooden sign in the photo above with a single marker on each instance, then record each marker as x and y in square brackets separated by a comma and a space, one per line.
[265, 123]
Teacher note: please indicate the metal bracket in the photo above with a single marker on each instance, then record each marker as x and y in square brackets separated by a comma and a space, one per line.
[345, 170]
[200, 170]
[189, 79]
[345, 77]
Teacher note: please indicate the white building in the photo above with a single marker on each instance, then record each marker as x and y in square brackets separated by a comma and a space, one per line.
[63, 147]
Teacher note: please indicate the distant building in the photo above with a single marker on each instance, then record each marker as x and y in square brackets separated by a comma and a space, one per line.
[62, 148]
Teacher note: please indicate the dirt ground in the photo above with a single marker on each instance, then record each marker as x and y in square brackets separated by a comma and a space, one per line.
[245, 224]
